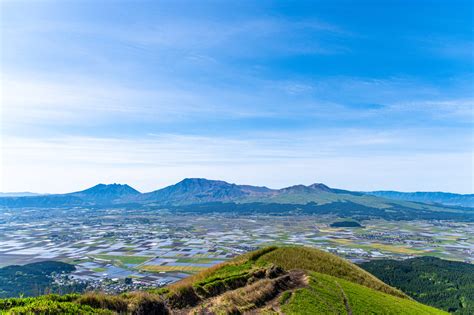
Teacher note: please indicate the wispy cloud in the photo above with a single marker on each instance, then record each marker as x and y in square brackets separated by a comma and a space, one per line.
[66, 101]
[79, 99]
[461, 110]
[241, 37]
[339, 159]
[236, 91]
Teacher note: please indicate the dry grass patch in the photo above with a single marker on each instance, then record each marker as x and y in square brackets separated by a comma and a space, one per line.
[256, 295]
[136, 303]
[101, 300]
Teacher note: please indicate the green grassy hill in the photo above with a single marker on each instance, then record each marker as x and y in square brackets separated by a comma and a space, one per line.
[330, 295]
[288, 280]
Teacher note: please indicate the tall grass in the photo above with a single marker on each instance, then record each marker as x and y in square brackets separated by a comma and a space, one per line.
[329, 295]
[299, 257]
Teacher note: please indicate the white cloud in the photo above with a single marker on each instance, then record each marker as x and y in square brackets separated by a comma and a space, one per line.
[79, 100]
[461, 109]
[66, 100]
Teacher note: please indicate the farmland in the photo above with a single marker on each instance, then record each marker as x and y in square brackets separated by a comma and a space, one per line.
[154, 248]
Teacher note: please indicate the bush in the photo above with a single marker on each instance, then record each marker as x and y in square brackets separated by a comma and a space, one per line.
[143, 303]
[183, 297]
[6, 304]
[48, 307]
[101, 300]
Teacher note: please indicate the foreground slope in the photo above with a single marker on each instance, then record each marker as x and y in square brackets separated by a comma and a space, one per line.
[289, 280]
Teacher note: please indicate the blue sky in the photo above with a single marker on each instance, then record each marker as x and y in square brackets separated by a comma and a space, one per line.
[373, 95]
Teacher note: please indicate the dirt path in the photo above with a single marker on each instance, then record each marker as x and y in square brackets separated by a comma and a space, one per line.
[299, 279]
[261, 295]
[346, 301]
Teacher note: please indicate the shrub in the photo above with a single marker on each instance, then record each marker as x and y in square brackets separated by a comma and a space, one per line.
[143, 303]
[48, 307]
[101, 300]
[183, 297]
[6, 304]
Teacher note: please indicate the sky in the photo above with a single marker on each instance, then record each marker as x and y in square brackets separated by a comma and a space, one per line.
[365, 95]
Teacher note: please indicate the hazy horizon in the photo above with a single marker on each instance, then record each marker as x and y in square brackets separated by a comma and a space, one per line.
[372, 96]
[212, 179]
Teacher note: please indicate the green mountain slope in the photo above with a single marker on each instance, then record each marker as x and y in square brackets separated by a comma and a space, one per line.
[31, 279]
[102, 193]
[444, 284]
[199, 194]
[289, 280]
[330, 295]
[463, 200]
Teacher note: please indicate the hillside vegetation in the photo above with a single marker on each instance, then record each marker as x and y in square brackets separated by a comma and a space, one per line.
[330, 295]
[444, 284]
[288, 280]
[32, 279]
[428, 197]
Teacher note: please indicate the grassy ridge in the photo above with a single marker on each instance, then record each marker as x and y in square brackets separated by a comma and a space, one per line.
[296, 280]
[330, 295]
[319, 261]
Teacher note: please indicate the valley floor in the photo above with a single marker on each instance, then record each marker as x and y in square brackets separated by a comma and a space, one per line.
[153, 248]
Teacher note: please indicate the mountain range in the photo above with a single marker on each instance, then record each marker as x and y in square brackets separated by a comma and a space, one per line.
[444, 198]
[18, 194]
[210, 195]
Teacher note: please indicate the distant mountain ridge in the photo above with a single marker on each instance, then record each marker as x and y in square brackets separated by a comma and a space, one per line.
[106, 193]
[450, 199]
[199, 190]
[18, 194]
[216, 195]
[98, 194]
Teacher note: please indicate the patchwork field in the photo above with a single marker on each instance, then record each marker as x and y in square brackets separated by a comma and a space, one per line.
[156, 248]
[187, 269]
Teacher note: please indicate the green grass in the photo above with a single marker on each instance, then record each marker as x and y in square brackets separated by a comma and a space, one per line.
[196, 260]
[125, 259]
[335, 286]
[168, 268]
[311, 259]
[89, 303]
[48, 304]
[52, 307]
[327, 295]
[285, 296]
[240, 265]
